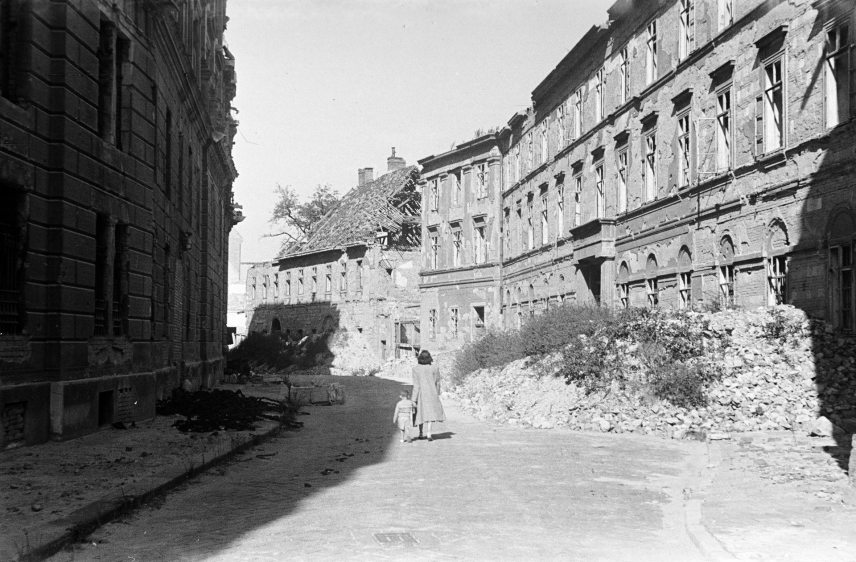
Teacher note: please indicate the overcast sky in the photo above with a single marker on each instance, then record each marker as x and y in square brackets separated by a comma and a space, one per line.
[329, 86]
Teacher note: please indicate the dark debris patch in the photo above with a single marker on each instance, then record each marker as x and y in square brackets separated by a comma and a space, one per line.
[213, 410]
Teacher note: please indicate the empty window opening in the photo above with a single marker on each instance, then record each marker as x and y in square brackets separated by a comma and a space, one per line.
[105, 407]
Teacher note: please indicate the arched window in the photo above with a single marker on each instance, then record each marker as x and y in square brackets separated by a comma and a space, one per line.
[685, 277]
[651, 285]
[275, 326]
[726, 271]
[624, 285]
[777, 262]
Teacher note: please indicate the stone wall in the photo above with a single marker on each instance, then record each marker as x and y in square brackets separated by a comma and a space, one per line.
[118, 205]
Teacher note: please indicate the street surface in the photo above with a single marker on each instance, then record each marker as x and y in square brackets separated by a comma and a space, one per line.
[344, 487]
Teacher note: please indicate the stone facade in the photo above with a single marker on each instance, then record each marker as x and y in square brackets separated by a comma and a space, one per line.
[459, 281]
[355, 277]
[116, 174]
[689, 153]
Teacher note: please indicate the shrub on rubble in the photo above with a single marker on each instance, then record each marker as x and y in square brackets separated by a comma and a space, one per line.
[493, 349]
[258, 348]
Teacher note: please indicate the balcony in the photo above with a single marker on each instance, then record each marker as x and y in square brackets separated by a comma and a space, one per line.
[594, 240]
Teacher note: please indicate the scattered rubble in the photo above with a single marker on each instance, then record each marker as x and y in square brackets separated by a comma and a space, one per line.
[213, 410]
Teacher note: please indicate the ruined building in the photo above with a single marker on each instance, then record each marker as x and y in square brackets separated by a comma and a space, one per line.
[355, 276]
[688, 153]
[115, 206]
[459, 279]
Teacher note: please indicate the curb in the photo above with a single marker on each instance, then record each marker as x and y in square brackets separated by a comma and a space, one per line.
[61, 532]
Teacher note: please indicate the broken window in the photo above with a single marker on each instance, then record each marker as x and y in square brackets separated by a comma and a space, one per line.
[520, 238]
[598, 94]
[458, 189]
[650, 169]
[837, 76]
[517, 163]
[479, 243]
[623, 76]
[288, 285]
[300, 281]
[453, 321]
[478, 317]
[842, 289]
[530, 228]
[599, 195]
[726, 285]
[314, 280]
[653, 292]
[265, 281]
[684, 150]
[343, 280]
[578, 113]
[622, 181]
[560, 211]
[723, 129]
[457, 247]
[651, 53]
[769, 109]
[560, 125]
[359, 276]
[506, 230]
[685, 289]
[544, 154]
[726, 13]
[10, 41]
[777, 275]
[530, 152]
[435, 249]
[545, 221]
[435, 195]
[578, 190]
[328, 280]
[113, 54]
[624, 295]
[686, 37]
[481, 178]
[432, 323]
[10, 262]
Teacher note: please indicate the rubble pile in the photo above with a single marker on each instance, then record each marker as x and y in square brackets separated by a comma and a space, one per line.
[218, 410]
[779, 370]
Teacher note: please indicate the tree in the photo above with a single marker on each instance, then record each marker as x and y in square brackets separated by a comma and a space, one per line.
[296, 218]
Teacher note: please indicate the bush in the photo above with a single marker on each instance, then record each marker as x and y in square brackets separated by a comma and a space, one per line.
[557, 327]
[495, 348]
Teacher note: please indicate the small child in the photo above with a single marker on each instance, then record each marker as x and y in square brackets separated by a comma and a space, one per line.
[403, 416]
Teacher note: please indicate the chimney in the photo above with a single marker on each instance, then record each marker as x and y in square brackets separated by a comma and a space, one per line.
[394, 162]
[364, 176]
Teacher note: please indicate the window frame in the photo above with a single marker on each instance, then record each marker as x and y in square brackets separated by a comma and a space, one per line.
[651, 53]
[830, 55]
[684, 142]
[623, 194]
[724, 128]
[649, 171]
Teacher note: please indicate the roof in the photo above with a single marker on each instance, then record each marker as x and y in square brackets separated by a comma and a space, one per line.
[381, 203]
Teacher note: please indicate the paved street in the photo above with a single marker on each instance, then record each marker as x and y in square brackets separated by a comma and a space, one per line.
[345, 488]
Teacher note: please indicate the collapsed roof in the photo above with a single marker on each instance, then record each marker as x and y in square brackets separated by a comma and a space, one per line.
[390, 203]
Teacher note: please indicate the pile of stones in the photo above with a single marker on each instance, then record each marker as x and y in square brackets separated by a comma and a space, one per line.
[780, 371]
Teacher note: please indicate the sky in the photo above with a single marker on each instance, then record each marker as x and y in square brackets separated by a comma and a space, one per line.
[329, 86]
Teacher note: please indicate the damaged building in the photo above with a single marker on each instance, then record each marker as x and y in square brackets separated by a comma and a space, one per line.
[115, 180]
[354, 278]
[460, 277]
[687, 154]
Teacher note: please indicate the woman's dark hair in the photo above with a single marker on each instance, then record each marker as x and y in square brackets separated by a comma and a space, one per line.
[424, 358]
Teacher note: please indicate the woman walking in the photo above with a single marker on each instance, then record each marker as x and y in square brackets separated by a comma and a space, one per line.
[426, 393]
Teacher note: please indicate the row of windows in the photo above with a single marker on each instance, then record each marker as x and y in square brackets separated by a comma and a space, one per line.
[770, 108]
[265, 287]
[480, 246]
[461, 182]
[454, 318]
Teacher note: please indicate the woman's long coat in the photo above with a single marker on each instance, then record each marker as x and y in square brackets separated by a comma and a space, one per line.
[426, 394]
